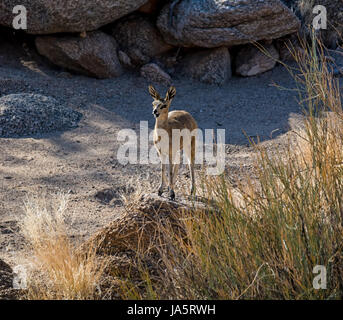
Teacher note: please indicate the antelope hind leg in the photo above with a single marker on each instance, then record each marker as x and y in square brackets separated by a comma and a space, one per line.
[190, 154]
[171, 182]
[191, 169]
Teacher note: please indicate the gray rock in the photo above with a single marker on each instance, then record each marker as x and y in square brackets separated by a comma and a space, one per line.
[251, 61]
[46, 16]
[25, 114]
[214, 23]
[208, 65]
[124, 59]
[334, 12]
[332, 36]
[95, 55]
[153, 73]
[334, 61]
[7, 292]
[336, 56]
[6, 275]
[6, 279]
[140, 39]
[337, 71]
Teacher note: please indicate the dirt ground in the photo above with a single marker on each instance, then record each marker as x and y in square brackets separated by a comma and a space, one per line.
[83, 161]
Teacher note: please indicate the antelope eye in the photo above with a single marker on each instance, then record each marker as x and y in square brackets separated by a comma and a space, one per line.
[163, 106]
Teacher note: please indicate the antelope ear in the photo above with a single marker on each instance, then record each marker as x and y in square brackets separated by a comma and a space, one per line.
[154, 93]
[170, 94]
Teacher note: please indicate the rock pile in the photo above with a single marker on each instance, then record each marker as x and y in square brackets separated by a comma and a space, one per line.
[199, 37]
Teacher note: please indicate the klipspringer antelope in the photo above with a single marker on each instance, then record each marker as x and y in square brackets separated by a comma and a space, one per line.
[173, 124]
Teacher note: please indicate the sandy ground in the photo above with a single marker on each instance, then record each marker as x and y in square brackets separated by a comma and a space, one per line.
[83, 161]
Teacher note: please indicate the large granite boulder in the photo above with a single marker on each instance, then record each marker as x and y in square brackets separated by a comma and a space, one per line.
[214, 23]
[95, 55]
[46, 16]
[139, 38]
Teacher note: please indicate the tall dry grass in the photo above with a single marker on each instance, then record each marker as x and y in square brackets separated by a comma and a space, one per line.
[60, 271]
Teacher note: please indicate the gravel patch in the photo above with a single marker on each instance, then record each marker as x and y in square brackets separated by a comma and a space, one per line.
[9, 86]
[26, 114]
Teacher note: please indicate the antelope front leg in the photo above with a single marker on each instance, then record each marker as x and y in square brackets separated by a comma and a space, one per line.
[163, 178]
[175, 172]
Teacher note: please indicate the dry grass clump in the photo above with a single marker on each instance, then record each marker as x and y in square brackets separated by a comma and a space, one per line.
[60, 271]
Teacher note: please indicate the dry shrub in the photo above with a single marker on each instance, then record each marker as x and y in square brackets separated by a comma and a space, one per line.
[60, 271]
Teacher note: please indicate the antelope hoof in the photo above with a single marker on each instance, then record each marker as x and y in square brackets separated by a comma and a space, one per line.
[171, 194]
[160, 191]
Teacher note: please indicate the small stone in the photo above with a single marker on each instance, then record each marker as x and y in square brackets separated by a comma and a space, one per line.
[209, 65]
[251, 61]
[124, 59]
[152, 72]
